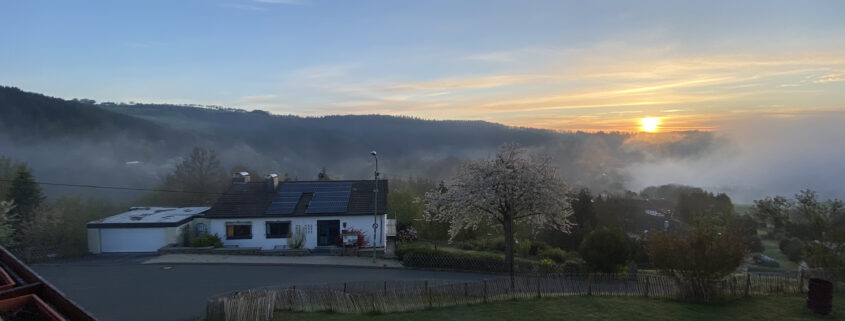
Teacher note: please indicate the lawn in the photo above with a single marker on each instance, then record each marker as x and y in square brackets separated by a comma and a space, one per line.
[603, 308]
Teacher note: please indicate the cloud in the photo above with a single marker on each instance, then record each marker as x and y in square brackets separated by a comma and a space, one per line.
[498, 57]
[556, 89]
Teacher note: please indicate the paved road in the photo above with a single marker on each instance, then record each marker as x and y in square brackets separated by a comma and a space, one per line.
[119, 288]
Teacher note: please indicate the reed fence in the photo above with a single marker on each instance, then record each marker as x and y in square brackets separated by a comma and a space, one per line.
[401, 296]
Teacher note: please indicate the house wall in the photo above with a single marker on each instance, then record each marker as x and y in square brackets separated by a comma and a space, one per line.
[308, 224]
[94, 240]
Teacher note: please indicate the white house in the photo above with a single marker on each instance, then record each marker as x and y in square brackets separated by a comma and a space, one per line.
[265, 214]
[141, 229]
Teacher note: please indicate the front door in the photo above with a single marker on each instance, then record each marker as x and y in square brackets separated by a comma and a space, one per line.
[327, 232]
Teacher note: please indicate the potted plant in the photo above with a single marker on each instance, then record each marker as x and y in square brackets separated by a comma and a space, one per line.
[27, 307]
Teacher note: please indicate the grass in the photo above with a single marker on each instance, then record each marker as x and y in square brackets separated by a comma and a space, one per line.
[603, 308]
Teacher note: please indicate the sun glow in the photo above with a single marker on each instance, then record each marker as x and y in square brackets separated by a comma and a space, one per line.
[650, 124]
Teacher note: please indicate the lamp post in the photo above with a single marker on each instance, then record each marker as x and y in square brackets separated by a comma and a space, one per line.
[375, 204]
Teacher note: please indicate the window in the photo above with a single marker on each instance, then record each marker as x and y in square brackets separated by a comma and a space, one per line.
[235, 231]
[201, 230]
[276, 230]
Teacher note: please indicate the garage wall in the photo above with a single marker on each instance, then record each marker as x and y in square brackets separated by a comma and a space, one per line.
[94, 240]
[132, 239]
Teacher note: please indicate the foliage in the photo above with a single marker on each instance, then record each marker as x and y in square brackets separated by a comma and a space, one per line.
[506, 189]
[702, 207]
[747, 227]
[606, 250]
[198, 178]
[7, 220]
[554, 254]
[698, 258]
[772, 210]
[8, 170]
[407, 235]
[406, 205]
[297, 239]
[793, 248]
[594, 308]
[816, 228]
[206, 240]
[464, 260]
[27, 196]
[583, 219]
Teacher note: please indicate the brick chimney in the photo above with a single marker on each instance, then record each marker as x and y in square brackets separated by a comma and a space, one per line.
[240, 178]
[272, 182]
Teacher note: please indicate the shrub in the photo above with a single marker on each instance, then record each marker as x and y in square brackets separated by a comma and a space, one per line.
[537, 247]
[606, 250]
[522, 247]
[206, 240]
[793, 249]
[554, 254]
[407, 235]
[297, 240]
[697, 259]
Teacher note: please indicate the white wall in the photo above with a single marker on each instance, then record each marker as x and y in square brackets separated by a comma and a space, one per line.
[308, 224]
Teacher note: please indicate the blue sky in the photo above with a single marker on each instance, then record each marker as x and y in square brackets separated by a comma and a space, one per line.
[551, 64]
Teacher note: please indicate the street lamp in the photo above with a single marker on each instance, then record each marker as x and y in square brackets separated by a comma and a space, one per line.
[375, 204]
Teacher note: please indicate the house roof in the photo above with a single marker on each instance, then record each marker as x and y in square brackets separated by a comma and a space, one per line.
[300, 198]
[149, 217]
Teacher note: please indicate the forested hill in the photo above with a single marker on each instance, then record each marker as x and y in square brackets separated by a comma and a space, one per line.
[136, 144]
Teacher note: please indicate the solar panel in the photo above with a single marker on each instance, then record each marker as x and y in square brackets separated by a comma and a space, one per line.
[328, 197]
[284, 203]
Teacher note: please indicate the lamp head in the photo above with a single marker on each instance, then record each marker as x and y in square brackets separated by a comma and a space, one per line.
[374, 153]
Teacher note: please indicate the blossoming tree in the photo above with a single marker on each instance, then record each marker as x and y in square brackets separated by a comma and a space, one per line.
[511, 187]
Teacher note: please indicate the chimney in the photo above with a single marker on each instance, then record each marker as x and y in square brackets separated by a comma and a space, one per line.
[240, 178]
[272, 182]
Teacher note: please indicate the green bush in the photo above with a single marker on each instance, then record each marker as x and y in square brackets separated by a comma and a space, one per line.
[554, 254]
[206, 240]
[486, 262]
[537, 247]
[606, 250]
[793, 248]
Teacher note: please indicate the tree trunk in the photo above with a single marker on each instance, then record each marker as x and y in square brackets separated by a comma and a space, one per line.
[508, 223]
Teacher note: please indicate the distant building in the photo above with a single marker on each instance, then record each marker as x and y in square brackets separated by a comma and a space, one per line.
[141, 229]
[265, 214]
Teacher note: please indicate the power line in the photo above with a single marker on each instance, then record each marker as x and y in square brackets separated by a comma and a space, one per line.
[118, 188]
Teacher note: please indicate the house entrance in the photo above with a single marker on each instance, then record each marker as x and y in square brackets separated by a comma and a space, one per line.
[327, 232]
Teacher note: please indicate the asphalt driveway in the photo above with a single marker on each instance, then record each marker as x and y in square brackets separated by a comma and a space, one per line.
[120, 288]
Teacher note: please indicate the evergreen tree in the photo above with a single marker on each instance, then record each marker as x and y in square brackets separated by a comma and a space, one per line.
[26, 194]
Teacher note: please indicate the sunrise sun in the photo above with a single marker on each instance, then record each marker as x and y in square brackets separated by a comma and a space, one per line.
[649, 124]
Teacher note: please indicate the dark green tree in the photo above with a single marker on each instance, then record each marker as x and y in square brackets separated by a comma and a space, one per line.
[26, 194]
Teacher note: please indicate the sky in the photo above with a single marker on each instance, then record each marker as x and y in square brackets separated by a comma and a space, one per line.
[561, 65]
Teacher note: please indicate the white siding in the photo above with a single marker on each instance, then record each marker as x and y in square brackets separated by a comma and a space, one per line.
[308, 224]
[132, 239]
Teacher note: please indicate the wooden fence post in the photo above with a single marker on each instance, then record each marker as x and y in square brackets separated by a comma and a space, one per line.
[290, 297]
[647, 278]
[590, 284]
[485, 290]
[385, 287]
[747, 283]
[539, 295]
[344, 287]
[801, 282]
[466, 289]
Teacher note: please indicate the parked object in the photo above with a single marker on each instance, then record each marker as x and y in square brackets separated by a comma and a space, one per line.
[820, 296]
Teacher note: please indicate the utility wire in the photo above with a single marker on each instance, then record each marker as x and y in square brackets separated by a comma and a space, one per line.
[118, 188]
